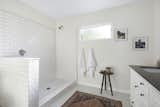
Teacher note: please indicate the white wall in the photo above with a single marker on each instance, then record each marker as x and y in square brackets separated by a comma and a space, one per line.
[24, 27]
[157, 29]
[138, 17]
[66, 50]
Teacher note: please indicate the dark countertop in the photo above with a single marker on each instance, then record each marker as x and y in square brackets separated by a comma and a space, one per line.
[152, 78]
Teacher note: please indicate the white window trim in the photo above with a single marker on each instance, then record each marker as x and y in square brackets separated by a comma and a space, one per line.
[93, 26]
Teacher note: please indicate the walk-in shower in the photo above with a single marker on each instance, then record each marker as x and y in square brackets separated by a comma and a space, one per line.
[29, 38]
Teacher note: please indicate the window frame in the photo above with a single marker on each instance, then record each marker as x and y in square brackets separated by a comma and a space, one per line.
[94, 26]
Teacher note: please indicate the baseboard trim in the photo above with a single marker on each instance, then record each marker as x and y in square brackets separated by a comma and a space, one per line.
[96, 86]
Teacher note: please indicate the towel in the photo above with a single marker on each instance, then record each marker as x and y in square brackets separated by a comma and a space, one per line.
[91, 63]
[83, 66]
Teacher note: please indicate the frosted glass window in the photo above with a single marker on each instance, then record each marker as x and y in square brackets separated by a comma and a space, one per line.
[96, 32]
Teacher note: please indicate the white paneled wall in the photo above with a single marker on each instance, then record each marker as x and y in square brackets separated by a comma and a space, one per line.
[17, 32]
[19, 82]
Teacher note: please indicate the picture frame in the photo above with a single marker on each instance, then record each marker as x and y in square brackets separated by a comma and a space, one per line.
[140, 43]
[121, 34]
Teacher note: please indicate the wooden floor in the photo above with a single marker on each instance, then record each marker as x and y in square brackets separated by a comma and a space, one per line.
[62, 97]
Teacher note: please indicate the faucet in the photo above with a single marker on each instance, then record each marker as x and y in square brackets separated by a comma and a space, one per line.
[158, 62]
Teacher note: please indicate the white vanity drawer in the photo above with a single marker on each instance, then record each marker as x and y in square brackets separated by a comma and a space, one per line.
[139, 92]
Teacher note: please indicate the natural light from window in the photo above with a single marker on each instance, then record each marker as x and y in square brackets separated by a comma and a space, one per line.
[96, 32]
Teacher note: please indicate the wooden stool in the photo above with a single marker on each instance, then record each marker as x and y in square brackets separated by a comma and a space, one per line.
[106, 73]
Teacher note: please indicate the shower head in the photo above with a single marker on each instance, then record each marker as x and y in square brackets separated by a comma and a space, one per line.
[61, 27]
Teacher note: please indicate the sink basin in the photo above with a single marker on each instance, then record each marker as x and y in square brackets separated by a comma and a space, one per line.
[152, 70]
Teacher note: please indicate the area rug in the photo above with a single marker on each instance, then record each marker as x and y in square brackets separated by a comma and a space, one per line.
[80, 99]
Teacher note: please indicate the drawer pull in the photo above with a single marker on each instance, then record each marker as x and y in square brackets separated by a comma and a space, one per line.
[141, 83]
[141, 94]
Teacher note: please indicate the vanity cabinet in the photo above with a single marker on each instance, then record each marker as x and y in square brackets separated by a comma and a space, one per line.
[142, 93]
[154, 98]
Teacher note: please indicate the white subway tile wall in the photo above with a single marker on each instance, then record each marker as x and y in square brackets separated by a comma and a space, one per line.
[19, 82]
[7, 42]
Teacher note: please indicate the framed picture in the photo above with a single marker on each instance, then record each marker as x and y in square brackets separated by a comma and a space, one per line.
[140, 43]
[121, 33]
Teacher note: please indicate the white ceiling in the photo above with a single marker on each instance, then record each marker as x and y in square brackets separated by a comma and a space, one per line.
[62, 8]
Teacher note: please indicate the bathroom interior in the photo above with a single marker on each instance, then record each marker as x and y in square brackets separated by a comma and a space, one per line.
[52, 50]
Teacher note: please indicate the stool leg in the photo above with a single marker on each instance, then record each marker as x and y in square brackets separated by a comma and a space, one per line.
[105, 83]
[110, 84]
[102, 84]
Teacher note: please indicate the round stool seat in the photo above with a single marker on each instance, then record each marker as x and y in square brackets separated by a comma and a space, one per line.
[104, 72]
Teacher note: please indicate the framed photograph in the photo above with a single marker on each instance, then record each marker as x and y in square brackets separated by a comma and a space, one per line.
[140, 43]
[121, 33]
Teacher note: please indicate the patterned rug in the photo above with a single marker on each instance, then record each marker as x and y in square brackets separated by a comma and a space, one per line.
[80, 99]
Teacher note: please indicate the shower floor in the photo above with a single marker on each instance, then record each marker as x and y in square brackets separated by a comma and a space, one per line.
[52, 89]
